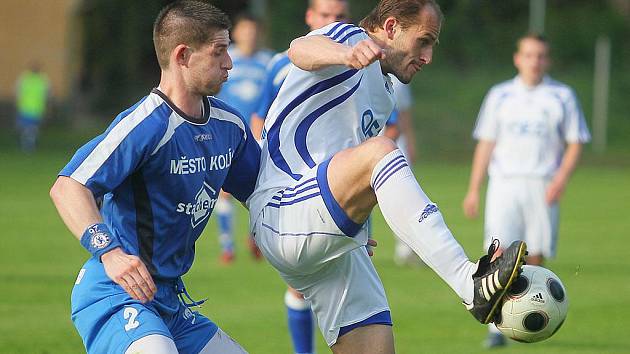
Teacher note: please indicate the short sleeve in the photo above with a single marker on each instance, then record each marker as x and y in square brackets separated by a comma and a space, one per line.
[574, 124]
[241, 178]
[486, 127]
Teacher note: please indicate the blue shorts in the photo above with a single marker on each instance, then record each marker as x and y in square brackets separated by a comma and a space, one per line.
[109, 320]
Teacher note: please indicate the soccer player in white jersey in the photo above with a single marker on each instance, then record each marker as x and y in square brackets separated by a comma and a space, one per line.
[318, 14]
[530, 131]
[324, 168]
[159, 168]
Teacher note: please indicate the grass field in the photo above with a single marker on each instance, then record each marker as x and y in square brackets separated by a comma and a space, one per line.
[39, 260]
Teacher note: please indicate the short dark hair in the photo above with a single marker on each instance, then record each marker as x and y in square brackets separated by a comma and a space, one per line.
[405, 11]
[532, 35]
[189, 22]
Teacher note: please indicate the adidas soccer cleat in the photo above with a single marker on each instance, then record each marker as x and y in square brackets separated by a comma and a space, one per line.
[493, 278]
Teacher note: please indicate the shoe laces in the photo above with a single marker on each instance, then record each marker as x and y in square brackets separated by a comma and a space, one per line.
[494, 246]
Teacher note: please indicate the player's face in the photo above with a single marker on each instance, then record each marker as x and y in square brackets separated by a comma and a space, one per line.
[532, 60]
[208, 65]
[246, 34]
[412, 48]
[325, 12]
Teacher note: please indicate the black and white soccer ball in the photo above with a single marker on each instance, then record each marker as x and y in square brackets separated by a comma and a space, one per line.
[534, 307]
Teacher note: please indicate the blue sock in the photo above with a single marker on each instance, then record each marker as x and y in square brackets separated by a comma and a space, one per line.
[224, 218]
[300, 321]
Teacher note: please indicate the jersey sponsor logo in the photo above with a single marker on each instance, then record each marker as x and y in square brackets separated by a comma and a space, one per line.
[199, 211]
[428, 210]
[186, 166]
[369, 125]
[202, 137]
[525, 128]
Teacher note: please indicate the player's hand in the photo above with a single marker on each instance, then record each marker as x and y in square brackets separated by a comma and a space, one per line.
[130, 273]
[471, 205]
[555, 189]
[371, 243]
[363, 54]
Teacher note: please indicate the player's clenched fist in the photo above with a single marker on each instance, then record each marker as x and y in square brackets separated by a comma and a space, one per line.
[363, 54]
[130, 273]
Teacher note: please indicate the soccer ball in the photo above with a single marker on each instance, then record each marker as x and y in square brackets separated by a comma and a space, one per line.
[534, 307]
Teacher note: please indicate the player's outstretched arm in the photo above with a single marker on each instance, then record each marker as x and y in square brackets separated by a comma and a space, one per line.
[481, 159]
[313, 53]
[77, 208]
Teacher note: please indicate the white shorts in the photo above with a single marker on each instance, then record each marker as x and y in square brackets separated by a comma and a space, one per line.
[320, 252]
[516, 210]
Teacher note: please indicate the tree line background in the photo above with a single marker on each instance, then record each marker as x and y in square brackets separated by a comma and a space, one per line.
[476, 45]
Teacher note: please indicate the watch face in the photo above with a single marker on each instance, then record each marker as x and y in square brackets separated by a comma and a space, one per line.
[100, 240]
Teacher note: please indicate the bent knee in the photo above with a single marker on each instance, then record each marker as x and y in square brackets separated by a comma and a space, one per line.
[376, 148]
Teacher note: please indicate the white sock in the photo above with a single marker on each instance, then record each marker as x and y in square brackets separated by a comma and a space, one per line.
[492, 328]
[418, 222]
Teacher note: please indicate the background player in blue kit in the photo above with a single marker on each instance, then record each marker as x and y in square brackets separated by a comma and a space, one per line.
[243, 91]
[159, 168]
[318, 14]
[324, 168]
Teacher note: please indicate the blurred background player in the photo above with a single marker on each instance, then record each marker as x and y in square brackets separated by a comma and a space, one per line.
[530, 132]
[318, 14]
[242, 91]
[400, 129]
[31, 96]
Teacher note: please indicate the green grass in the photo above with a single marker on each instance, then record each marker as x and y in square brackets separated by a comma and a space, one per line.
[39, 261]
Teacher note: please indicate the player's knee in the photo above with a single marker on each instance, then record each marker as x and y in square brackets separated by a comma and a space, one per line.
[377, 147]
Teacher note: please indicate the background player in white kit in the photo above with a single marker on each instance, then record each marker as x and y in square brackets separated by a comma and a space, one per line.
[530, 131]
[321, 176]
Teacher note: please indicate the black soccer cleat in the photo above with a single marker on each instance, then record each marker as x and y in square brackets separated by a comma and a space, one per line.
[493, 278]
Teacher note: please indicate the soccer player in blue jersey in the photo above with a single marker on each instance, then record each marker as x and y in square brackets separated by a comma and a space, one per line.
[324, 168]
[243, 91]
[158, 168]
[318, 14]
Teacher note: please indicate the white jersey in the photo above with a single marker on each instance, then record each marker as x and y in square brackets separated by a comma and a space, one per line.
[319, 113]
[530, 126]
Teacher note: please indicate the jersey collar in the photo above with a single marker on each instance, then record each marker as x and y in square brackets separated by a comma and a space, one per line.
[206, 108]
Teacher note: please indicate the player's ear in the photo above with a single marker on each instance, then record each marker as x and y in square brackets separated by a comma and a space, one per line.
[181, 54]
[390, 27]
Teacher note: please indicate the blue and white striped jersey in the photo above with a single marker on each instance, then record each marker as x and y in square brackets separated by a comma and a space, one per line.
[530, 126]
[244, 86]
[159, 173]
[319, 113]
[277, 71]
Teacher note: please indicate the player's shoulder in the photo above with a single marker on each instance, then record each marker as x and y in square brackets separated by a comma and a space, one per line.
[222, 111]
[342, 32]
[151, 111]
[558, 88]
[278, 61]
[264, 55]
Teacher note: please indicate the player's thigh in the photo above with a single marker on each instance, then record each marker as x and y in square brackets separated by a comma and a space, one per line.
[541, 229]
[503, 217]
[346, 291]
[153, 344]
[222, 343]
[349, 176]
[107, 318]
[302, 228]
[371, 339]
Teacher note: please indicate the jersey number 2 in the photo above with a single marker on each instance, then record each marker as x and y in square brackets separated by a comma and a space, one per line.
[130, 315]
